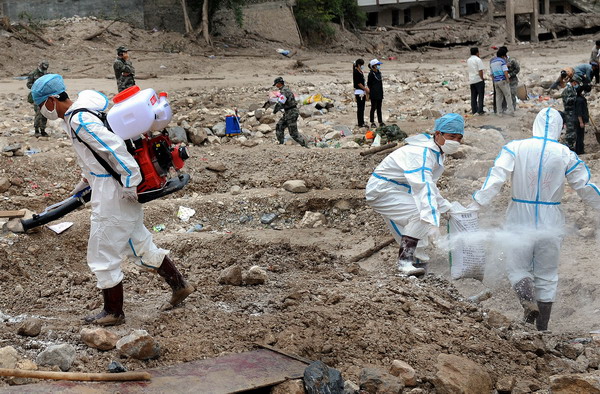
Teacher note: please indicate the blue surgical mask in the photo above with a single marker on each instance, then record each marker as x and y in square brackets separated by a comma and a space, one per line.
[378, 67]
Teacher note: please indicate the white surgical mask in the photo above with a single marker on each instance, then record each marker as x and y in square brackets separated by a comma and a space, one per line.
[50, 115]
[450, 147]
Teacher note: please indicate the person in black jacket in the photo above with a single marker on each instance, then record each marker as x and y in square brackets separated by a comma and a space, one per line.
[360, 91]
[376, 91]
[581, 118]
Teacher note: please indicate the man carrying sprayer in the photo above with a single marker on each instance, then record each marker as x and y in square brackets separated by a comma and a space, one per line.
[403, 190]
[537, 168]
[117, 228]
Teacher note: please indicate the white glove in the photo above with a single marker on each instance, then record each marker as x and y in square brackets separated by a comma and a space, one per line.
[474, 207]
[83, 183]
[129, 193]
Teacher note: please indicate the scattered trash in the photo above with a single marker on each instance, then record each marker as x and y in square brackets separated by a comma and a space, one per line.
[268, 218]
[283, 52]
[212, 57]
[162, 66]
[445, 83]
[30, 152]
[158, 228]
[60, 227]
[195, 228]
[376, 141]
[477, 298]
[185, 213]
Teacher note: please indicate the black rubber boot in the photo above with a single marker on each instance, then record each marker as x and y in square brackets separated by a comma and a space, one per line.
[526, 292]
[43, 133]
[406, 257]
[545, 309]
[37, 132]
[112, 313]
[181, 289]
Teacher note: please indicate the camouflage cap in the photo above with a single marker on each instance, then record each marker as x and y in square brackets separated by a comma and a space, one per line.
[122, 49]
[44, 64]
[278, 80]
[576, 78]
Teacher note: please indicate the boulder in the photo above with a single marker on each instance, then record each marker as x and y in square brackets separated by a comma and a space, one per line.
[268, 218]
[259, 113]
[376, 381]
[264, 128]
[216, 167]
[295, 186]
[575, 384]
[255, 276]
[4, 184]
[231, 275]
[249, 143]
[197, 135]
[235, 190]
[267, 119]
[30, 328]
[177, 134]
[139, 345]
[99, 338]
[219, 129]
[405, 372]
[306, 111]
[294, 386]
[62, 356]
[319, 378]
[213, 139]
[8, 357]
[313, 220]
[457, 374]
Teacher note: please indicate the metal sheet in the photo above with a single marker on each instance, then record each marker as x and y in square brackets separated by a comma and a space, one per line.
[227, 374]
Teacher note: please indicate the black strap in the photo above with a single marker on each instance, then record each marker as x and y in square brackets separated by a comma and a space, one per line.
[102, 162]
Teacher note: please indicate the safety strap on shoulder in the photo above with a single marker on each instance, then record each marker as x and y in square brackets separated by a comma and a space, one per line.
[100, 160]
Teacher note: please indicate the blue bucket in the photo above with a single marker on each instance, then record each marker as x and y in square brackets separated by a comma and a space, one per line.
[232, 125]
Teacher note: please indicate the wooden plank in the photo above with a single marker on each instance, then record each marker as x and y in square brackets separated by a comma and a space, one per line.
[12, 214]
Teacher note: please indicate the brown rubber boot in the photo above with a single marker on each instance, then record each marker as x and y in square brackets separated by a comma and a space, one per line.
[112, 313]
[181, 289]
[545, 309]
[526, 292]
[406, 257]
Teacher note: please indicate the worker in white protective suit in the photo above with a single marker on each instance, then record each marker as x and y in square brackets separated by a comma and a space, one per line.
[537, 168]
[117, 228]
[403, 190]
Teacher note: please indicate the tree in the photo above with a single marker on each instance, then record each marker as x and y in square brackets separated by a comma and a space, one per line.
[314, 16]
[207, 8]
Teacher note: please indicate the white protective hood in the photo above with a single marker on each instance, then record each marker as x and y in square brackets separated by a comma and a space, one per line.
[548, 124]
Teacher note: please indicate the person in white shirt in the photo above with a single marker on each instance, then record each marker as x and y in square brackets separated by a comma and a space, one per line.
[475, 67]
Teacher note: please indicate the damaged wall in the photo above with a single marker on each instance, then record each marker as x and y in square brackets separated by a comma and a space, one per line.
[272, 21]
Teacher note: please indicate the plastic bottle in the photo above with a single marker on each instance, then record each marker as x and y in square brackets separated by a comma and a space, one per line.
[133, 113]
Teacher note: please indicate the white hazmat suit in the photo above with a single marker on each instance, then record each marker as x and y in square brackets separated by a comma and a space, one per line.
[537, 168]
[403, 190]
[117, 228]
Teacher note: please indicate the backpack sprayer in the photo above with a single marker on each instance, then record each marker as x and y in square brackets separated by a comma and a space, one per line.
[135, 115]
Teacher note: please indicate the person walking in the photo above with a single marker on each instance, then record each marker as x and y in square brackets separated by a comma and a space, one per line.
[537, 168]
[569, 96]
[361, 91]
[39, 121]
[499, 73]
[117, 230]
[403, 190]
[287, 102]
[124, 70]
[581, 117]
[375, 84]
[475, 69]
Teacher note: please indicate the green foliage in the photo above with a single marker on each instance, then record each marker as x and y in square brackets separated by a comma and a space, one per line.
[314, 17]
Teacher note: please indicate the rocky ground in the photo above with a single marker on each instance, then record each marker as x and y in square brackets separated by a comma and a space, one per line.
[314, 302]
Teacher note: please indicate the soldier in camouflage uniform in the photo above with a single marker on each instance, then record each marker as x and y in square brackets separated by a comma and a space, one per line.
[569, 95]
[287, 102]
[124, 71]
[39, 122]
[513, 70]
